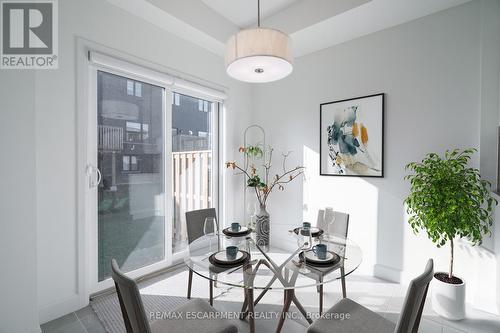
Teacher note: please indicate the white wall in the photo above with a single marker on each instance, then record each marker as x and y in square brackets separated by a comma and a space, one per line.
[489, 83]
[18, 308]
[430, 70]
[59, 278]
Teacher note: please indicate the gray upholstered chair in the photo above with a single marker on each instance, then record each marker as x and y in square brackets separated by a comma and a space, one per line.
[195, 221]
[363, 320]
[136, 321]
[339, 227]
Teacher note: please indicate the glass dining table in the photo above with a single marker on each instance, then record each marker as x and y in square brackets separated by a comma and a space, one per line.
[273, 268]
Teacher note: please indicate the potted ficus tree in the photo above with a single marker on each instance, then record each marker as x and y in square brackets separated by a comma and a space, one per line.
[449, 200]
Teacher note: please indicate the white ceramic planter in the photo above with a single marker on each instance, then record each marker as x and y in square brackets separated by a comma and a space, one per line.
[448, 300]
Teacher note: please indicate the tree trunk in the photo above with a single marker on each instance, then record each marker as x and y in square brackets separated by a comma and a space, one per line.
[450, 275]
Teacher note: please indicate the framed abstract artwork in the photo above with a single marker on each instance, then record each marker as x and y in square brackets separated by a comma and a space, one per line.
[352, 137]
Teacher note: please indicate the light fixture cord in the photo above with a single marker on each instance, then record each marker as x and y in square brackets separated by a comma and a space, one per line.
[258, 13]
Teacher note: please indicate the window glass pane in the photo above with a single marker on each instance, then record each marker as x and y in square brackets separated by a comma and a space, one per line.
[133, 127]
[126, 163]
[192, 150]
[138, 89]
[130, 87]
[131, 210]
[133, 131]
[145, 132]
[133, 163]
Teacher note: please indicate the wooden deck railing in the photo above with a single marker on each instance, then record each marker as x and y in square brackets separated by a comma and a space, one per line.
[191, 186]
[110, 138]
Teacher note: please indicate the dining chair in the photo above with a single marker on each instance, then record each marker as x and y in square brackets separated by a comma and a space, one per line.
[195, 221]
[136, 321]
[339, 227]
[363, 320]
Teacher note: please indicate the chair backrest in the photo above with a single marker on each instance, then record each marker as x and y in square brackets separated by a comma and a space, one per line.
[195, 221]
[131, 305]
[410, 316]
[340, 223]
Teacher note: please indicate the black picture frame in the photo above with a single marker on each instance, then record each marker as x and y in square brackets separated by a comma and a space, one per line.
[382, 141]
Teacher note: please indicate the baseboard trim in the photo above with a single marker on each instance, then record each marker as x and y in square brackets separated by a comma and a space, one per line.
[489, 307]
[387, 273]
[55, 310]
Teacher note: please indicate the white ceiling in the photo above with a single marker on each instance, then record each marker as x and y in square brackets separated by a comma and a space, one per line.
[312, 24]
[243, 13]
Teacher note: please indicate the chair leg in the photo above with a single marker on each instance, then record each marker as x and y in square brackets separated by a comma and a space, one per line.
[211, 286]
[190, 283]
[344, 292]
[320, 299]
[319, 289]
[320, 281]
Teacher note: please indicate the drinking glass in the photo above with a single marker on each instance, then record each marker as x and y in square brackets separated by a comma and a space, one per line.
[210, 229]
[304, 241]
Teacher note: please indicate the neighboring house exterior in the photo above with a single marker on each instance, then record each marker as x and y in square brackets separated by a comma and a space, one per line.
[130, 136]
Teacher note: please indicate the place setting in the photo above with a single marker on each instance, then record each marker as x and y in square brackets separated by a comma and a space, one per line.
[315, 231]
[236, 230]
[317, 256]
[232, 256]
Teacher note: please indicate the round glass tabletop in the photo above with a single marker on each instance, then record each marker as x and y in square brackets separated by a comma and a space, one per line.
[274, 268]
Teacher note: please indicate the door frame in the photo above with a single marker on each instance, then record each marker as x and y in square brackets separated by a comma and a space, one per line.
[84, 92]
[87, 140]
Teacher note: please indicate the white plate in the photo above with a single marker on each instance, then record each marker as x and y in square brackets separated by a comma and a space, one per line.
[314, 230]
[241, 231]
[222, 257]
[311, 256]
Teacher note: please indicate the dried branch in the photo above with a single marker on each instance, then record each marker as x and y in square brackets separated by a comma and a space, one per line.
[278, 180]
[268, 165]
[285, 156]
[264, 188]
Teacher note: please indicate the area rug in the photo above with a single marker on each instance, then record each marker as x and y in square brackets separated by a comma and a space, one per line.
[107, 309]
[168, 292]
[109, 313]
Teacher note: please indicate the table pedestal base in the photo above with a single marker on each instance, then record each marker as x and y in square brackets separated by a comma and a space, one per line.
[249, 303]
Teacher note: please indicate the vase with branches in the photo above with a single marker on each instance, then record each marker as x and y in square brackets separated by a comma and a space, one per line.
[263, 181]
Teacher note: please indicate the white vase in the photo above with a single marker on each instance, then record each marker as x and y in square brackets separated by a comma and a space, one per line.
[448, 300]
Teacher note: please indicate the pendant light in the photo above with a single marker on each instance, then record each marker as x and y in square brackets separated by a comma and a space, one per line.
[258, 54]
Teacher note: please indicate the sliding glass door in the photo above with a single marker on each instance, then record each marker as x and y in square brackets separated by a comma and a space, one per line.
[194, 163]
[152, 156]
[131, 160]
